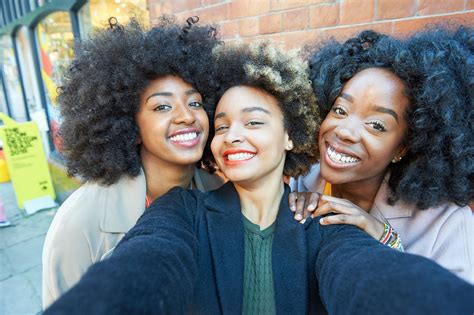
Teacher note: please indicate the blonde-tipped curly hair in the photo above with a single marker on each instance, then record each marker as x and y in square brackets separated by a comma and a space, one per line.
[285, 76]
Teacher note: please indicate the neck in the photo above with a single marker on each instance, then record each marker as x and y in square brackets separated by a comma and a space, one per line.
[161, 175]
[260, 202]
[361, 194]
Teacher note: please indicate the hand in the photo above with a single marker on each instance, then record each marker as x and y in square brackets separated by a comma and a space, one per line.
[303, 204]
[345, 212]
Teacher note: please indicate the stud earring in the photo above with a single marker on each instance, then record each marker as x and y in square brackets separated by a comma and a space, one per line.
[396, 160]
[290, 146]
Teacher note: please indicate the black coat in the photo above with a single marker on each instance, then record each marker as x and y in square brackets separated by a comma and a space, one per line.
[186, 255]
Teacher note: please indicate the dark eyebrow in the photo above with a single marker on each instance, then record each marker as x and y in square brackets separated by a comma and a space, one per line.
[188, 92]
[220, 115]
[245, 110]
[255, 108]
[385, 110]
[347, 97]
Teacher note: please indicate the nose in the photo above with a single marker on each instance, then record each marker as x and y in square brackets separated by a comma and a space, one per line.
[184, 115]
[234, 136]
[348, 132]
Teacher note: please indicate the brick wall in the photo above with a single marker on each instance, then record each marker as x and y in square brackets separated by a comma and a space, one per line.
[295, 22]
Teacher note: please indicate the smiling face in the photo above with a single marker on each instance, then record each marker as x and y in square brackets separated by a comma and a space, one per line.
[364, 130]
[250, 141]
[172, 121]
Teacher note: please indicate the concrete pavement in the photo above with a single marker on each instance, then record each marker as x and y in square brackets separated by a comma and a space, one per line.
[21, 245]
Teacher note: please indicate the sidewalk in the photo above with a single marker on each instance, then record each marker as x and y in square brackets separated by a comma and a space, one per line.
[21, 245]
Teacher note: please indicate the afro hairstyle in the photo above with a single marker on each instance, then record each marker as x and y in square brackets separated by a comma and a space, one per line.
[437, 68]
[284, 76]
[102, 87]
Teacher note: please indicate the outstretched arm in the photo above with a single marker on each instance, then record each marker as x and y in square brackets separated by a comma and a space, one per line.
[358, 275]
[152, 270]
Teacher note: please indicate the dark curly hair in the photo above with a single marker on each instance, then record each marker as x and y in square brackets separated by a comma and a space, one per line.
[284, 76]
[100, 97]
[437, 67]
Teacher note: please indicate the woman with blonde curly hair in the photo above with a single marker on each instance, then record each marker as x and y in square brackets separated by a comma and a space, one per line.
[237, 250]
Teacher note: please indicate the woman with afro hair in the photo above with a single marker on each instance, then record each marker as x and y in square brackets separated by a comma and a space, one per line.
[396, 144]
[134, 125]
[237, 250]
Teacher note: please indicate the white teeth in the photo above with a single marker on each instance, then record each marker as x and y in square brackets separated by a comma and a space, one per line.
[184, 137]
[240, 156]
[341, 157]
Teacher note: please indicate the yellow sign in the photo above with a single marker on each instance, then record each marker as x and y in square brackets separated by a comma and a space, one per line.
[27, 164]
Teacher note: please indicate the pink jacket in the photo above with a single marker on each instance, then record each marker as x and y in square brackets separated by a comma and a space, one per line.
[444, 234]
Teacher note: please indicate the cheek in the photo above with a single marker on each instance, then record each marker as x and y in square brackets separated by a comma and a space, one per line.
[215, 147]
[204, 121]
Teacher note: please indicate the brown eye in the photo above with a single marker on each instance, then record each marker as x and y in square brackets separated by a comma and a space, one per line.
[196, 105]
[339, 110]
[161, 108]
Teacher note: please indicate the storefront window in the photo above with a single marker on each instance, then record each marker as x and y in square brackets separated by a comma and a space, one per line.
[12, 82]
[3, 99]
[55, 44]
[95, 13]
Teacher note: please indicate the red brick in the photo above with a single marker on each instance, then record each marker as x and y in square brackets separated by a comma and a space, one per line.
[427, 7]
[395, 9]
[403, 28]
[212, 14]
[210, 2]
[167, 7]
[470, 6]
[276, 5]
[248, 27]
[356, 11]
[270, 24]
[155, 11]
[246, 8]
[343, 33]
[324, 16]
[185, 5]
[296, 20]
[229, 29]
[297, 40]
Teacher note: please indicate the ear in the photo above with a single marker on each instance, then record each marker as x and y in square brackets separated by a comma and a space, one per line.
[138, 140]
[400, 154]
[288, 143]
[403, 150]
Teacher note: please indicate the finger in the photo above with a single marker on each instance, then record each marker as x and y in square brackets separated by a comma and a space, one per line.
[292, 201]
[341, 219]
[312, 201]
[328, 198]
[331, 207]
[300, 202]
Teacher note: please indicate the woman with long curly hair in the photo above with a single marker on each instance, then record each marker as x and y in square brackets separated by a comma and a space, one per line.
[134, 125]
[396, 143]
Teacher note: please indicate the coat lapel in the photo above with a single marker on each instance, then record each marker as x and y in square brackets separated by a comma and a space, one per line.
[226, 234]
[289, 256]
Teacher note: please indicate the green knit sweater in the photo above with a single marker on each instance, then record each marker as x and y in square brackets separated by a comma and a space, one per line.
[259, 294]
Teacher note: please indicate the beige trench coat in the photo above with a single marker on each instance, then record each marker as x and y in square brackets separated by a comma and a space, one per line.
[90, 223]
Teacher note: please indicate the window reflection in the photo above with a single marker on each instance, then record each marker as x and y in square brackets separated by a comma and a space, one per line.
[95, 13]
[55, 45]
[12, 81]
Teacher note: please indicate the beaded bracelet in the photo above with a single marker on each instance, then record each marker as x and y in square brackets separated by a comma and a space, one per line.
[391, 238]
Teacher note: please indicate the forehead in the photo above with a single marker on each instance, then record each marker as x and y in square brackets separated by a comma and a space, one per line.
[375, 82]
[376, 86]
[169, 83]
[238, 98]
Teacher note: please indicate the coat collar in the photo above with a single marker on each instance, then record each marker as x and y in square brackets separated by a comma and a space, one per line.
[289, 254]
[122, 204]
